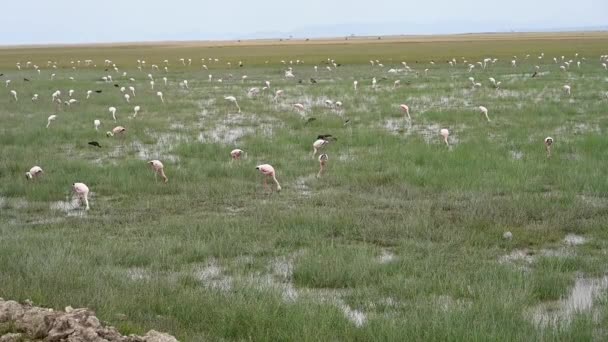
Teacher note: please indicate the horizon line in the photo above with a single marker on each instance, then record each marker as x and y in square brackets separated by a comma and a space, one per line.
[318, 39]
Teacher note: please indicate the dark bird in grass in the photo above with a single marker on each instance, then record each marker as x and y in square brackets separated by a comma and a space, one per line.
[300, 81]
[534, 74]
[339, 65]
[26, 80]
[309, 120]
[106, 70]
[1, 75]
[94, 143]
[116, 85]
[346, 122]
[98, 91]
[313, 81]
[327, 137]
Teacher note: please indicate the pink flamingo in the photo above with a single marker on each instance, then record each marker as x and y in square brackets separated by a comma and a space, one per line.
[445, 134]
[406, 110]
[548, 143]
[268, 171]
[299, 106]
[236, 154]
[158, 169]
[322, 162]
[82, 193]
[118, 130]
[34, 172]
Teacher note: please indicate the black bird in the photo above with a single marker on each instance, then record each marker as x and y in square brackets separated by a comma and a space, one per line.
[1, 75]
[339, 65]
[116, 85]
[534, 75]
[26, 80]
[94, 143]
[309, 120]
[313, 81]
[346, 122]
[105, 69]
[300, 81]
[98, 91]
[326, 137]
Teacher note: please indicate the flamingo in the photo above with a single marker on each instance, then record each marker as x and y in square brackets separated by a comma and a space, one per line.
[14, 94]
[567, 89]
[34, 172]
[374, 81]
[82, 193]
[160, 94]
[136, 110]
[396, 84]
[132, 89]
[484, 111]
[318, 145]
[152, 85]
[35, 98]
[165, 81]
[268, 171]
[355, 83]
[299, 106]
[128, 98]
[89, 93]
[158, 169]
[323, 158]
[236, 154]
[49, 119]
[548, 143]
[96, 123]
[113, 111]
[406, 110]
[445, 134]
[277, 94]
[233, 100]
[118, 130]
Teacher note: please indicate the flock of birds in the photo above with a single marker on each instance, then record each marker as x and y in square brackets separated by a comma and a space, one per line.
[81, 190]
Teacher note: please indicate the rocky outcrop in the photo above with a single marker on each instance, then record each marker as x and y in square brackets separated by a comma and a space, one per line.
[25, 322]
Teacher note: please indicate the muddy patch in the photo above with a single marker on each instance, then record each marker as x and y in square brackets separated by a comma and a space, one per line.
[581, 299]
[302, 187]
[386, 257]
[575, 240]
[137, 274]
[236, 126]
[213, 278]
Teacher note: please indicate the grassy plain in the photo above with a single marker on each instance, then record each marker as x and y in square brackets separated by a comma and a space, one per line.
[402, 237]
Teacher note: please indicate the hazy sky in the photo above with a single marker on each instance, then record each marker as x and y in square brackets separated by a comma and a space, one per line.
[71, 21]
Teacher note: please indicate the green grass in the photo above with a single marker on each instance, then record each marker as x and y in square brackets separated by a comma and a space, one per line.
[400, 228]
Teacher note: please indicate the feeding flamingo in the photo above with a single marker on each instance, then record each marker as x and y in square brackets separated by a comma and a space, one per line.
[158, 169]
[49, 119]
[82, 193]
[406, 110]
[268, 172]
[233, 100]
[236, 154]
[484, 111]
[318, 145]
[34, 172]
[118, 130]
[113, 111]
[445, 134]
